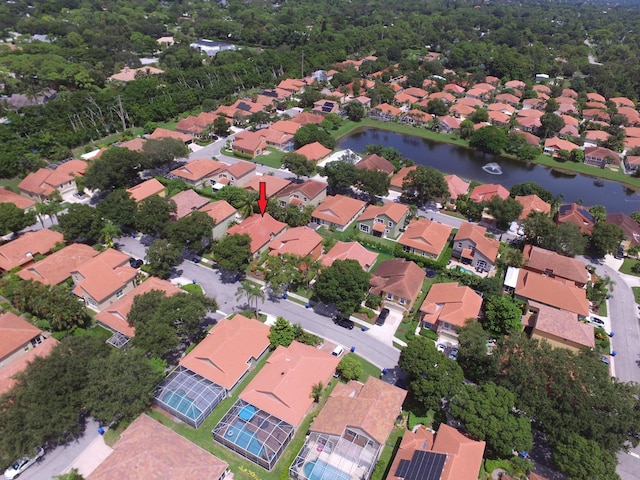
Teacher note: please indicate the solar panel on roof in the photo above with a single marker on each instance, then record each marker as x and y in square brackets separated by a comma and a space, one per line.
[586, 214]
[425, 466]
[243, 106]
[403, 468]
[564, 209]
[326, 109]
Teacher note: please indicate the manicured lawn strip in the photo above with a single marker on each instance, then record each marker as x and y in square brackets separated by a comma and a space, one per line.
[602, 308]
[388, 453]
[627, 266]
[337, 235]
[636, 293]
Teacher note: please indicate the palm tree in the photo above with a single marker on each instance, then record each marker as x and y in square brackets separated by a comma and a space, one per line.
[316, 391]
[108, 232]
[245, 207]
[251, 291]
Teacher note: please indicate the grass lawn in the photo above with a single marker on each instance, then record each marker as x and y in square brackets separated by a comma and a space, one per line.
[336, 234]
[628, 265]
[636, 293]
[10, 183]
[388, 453]
[192, 288]
[272, 159]
[410, 323]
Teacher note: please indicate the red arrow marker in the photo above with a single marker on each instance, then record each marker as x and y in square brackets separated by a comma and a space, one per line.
[262, 200]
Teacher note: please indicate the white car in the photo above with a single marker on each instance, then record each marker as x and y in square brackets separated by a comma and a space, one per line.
[596, 321]
[441, 347]
[22, 464]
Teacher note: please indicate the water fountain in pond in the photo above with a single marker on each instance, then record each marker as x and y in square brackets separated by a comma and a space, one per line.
[492, 168]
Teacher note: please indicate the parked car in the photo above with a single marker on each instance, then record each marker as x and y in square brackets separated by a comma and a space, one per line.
[338, 351]
[604, 359]
[453, 354]
[596, 321]
[135, 262]
[344, 322]
[384, 313]
[441, 347]
[22, 464]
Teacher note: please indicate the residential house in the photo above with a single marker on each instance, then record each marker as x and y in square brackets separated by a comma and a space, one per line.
[292, 85]
[20, 252]
[350, 251]
[484, 193]
[229, 351]
[628, 225]
[595, 97]
[502, 108]
[600, 157]
[199, 172]
[310, 192]
[261, 229]
[560, 328]
[384, 221]
[461, 111]
[16, 337]
[595, 114]
[314, 152]
[286, 126]
[114, 316]
[325, 107]
[554, 292]
[472, 247]
[147, 449]
[508, 99]
[416, 92]
[578, 215]
[453, 88]
[273, 185]
[128, 74]
[237, 174]
[350, 431]
[631, 163]
[416, 117]
[528, 124]
[622, 102]
[305, 118]
[553, 145]
[425, 238]
[250, 143]
[447, 307]
[592, 137]
[223, 215]
[277, 139]
[23, 203]
[532, 204]
[187, 202]
[196, 126]
[530, 138]
[554, 265]
[385, 112]
[19, 362]
[499, 118]
[398, 179]
[146, 189]
[472, 102]
[104, 279]
[161, 133]
[57, 267]
[445, 455]
[398, 282]
[40, 184]
[337, 211]
[377, 163]
[449, 124]
[299, 241]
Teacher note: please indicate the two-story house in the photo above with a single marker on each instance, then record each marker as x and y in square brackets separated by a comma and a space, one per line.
[472, 247]
[554, 265]
[223, 215]
[425, 238]
[337, 211]
[310, 192]
[383, 221]
[398, 282]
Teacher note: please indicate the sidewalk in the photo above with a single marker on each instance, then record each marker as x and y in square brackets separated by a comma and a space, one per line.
[91, 457]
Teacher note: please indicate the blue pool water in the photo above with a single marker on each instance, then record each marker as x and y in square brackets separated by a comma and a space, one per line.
[319, 470]
[179, 401]
[244, 438]
[470, 272]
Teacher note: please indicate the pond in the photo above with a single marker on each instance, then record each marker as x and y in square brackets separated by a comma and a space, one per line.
[468, 164]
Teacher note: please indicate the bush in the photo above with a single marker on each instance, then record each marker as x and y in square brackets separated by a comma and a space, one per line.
[349, 368]
[368, 312]
[244, 156]
[425, 332]
[373, 301]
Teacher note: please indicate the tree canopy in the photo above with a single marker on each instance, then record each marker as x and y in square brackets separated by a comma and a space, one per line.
[424, 184]
[344, 283]
[232, 252]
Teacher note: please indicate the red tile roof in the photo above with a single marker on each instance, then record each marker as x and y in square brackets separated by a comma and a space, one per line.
[484, 193]
[187, 202]
[375, 162]
[160, 133]
[286, 126]
[261, 230]
[300, 241]
[596, 97]
[15, 332]
[350, 251]
[8, 372]
[532, 203]
[219, 211]
[559, 144]
[135, 144]
[198, 169]
[314, 151]
[338, 209]
[104, 275]
[307, 117]
[283, 386]
[398, 179]
[563, 324]
[58, 266]
[395, 212]
[147, 450]
[578, 215]
[456, 185]
[450, 303]
[485, 245]
[21, 250]
[274, 185]
[225, 354]
[44, 181]
[146, 189]
[7, 196]
[426, 236]
[552, 292]
[398, 277]
[541, 260]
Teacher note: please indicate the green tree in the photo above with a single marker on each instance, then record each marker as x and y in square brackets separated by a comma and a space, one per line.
[568, 240]
[161, 257]
[374, 183]
[502, 316]
[281, 333]
[72, 475]
[232, 252]
[551, 124]
[532, 188]
[116, 168]
[487, 413]
[251, 291]
[313, 133]
[489, 139]
[340, 175]
[605, 238]
[282, 273]
[316, 391]
[164, 151]
[119, 208]
[504, 211]
[349, 368]
[584, 459]
[309, 97]
[193, 231]
[154, 214]
[423, 185]
[437, 107]
[466, 129]
[599, 213]
[476, 355]
[431, 376]
[479, 116]
[221, 126]
[298, 164]
[81, 223]
[355, 111]
[344, 284]
[539, 229]
[14, 219]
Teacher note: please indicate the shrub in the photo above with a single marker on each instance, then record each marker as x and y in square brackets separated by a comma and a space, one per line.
[425, 332]
[349, 368]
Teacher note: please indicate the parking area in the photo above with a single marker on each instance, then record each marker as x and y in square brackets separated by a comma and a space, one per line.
[385, 333]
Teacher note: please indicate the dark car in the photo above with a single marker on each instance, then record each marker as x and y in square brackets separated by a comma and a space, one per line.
[326, 309]
[135, 262]
[384, 313]
[344, 322]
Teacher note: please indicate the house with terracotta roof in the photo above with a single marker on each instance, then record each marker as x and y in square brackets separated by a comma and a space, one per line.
[578, 215]
[508, 99]
[196, 125]
[223, 215]
[415, 117]
[375, 162]
[273, 185]
[57, 267]
[292, 85]
[385, 220]
[310, 192]
[530, 138]
[146, 189]
[18, 363]
[553, 145]
[20, 252]
[499, 118]
[229, 351]
[600, 157]
[484, 193]
[472, 102]
[104, 279]
[147, 449]
[554, 265]
[449, 124]
[114, 316]
[261, 229]
[472, 247]
[456, 186]
[17, 336]
[337, 211]
[314, 152]
[187, 202]
[160, 133]
[23, 203]
[250, 143]
[325, 107]
[554, 292]
[425, 238]
[237, 174]
[453, 88]
[447, 307]
[632, 162]
[40, 184]
[560, 328]
[305, 118]
[445, 455]
[299, 241]
[532, 204]
[446, 97]
[199, 172]
[135, 144]
[528, 124]
[350, 431]
[286, 126]
[628, 225]
[385, 112]
[398, 282]
[350, 251]
[398, 179]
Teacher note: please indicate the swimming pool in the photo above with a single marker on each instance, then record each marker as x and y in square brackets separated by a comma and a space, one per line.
[239, 434]
[461, 269]
[319, 470]
[179, 401]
